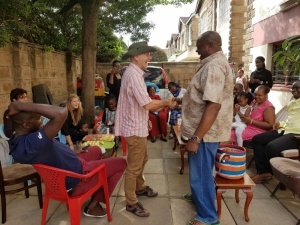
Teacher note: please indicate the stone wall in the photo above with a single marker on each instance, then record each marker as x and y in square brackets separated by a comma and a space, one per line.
[25, 65]
[237, 32]
[180, 72]
[194, 30]
[247, 58]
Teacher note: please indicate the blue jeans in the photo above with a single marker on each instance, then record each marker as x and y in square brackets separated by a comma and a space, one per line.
[202, 182]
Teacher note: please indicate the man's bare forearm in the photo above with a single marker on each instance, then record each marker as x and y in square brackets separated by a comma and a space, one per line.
[48, 111]
[157, 104]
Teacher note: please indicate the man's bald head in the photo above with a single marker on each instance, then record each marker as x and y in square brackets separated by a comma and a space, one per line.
[211, 36]
[208, 43]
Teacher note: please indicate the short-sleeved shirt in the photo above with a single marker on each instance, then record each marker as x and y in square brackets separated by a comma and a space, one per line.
[36, 148]
[264, 75]
[292, 123]
[131, 117]
[212, 83]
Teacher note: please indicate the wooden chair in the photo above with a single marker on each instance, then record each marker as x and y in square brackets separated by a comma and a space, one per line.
[55, 188]
[18, 174]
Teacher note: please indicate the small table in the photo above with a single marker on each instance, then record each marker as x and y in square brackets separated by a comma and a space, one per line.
[177, 139]
[245, 183]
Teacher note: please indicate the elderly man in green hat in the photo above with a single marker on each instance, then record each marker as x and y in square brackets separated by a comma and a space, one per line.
[132, 122]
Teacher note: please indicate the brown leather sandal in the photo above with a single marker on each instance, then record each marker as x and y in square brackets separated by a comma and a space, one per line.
[147, 192]
[138, 210]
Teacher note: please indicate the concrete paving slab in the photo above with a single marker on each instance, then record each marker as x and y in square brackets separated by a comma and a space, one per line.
[168, 144]
[61, 216]
[174, 165]
[292, 205]
[154, 153]
[178, 185]
[154, 166]
[159, 207]
[182, 211]
[261, 211]
[168, 153]
[27, 211]
[157, 144]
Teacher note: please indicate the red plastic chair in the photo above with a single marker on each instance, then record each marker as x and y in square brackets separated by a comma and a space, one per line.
[124, 147]
[55, 188]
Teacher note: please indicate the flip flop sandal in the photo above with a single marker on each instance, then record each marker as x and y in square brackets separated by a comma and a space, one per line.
[138, 210]
[197, 222]
[187, 197]
[147, 192]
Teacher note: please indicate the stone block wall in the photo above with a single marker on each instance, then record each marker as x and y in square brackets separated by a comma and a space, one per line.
[247, 58]
[194, 30]
[180, 72]
[25, 65]
[237, 32]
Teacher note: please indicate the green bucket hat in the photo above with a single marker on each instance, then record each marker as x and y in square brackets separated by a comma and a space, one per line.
[137, 49]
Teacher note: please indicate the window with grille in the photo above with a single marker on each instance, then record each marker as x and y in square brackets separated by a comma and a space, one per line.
[224, 14]
[278, 72]
[204, 22]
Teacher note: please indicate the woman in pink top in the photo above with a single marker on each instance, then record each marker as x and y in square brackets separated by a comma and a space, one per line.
[262, 115]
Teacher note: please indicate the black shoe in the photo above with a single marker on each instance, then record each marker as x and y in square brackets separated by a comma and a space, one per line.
[153, 140]
[163, 139]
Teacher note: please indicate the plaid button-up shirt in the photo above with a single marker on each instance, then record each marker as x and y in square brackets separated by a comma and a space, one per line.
[131, 117]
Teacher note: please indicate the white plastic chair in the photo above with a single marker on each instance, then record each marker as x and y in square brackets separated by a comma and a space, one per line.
[2, 135]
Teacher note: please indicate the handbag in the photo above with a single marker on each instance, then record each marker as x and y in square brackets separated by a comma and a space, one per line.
[231, 161]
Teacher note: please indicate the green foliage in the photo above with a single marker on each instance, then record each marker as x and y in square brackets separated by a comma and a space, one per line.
[39, 21]
[289, 57]
[48, 48]
[159, 55]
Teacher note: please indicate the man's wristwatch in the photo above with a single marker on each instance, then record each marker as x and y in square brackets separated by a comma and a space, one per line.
[195, 139]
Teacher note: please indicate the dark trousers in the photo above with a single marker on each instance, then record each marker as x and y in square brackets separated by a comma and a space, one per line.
[269, 145]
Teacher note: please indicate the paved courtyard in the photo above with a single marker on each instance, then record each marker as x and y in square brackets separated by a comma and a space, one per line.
[162, 173]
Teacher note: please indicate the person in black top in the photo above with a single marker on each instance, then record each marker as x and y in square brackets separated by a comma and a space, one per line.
[17, 94]
[261, 75]
[113, 79]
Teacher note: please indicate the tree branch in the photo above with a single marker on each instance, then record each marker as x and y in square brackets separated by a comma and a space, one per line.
[68, 6]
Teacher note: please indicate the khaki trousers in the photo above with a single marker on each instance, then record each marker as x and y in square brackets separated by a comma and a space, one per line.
[136, 159]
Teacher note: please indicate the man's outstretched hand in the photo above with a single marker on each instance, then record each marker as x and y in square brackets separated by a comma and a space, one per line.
[172, 103]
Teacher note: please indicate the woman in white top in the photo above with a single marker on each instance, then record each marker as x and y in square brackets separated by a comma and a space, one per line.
[242, 79]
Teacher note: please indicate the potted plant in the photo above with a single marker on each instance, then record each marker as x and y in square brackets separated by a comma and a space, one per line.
[289, 57]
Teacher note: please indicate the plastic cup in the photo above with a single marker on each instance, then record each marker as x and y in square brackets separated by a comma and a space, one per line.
[179, 121]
